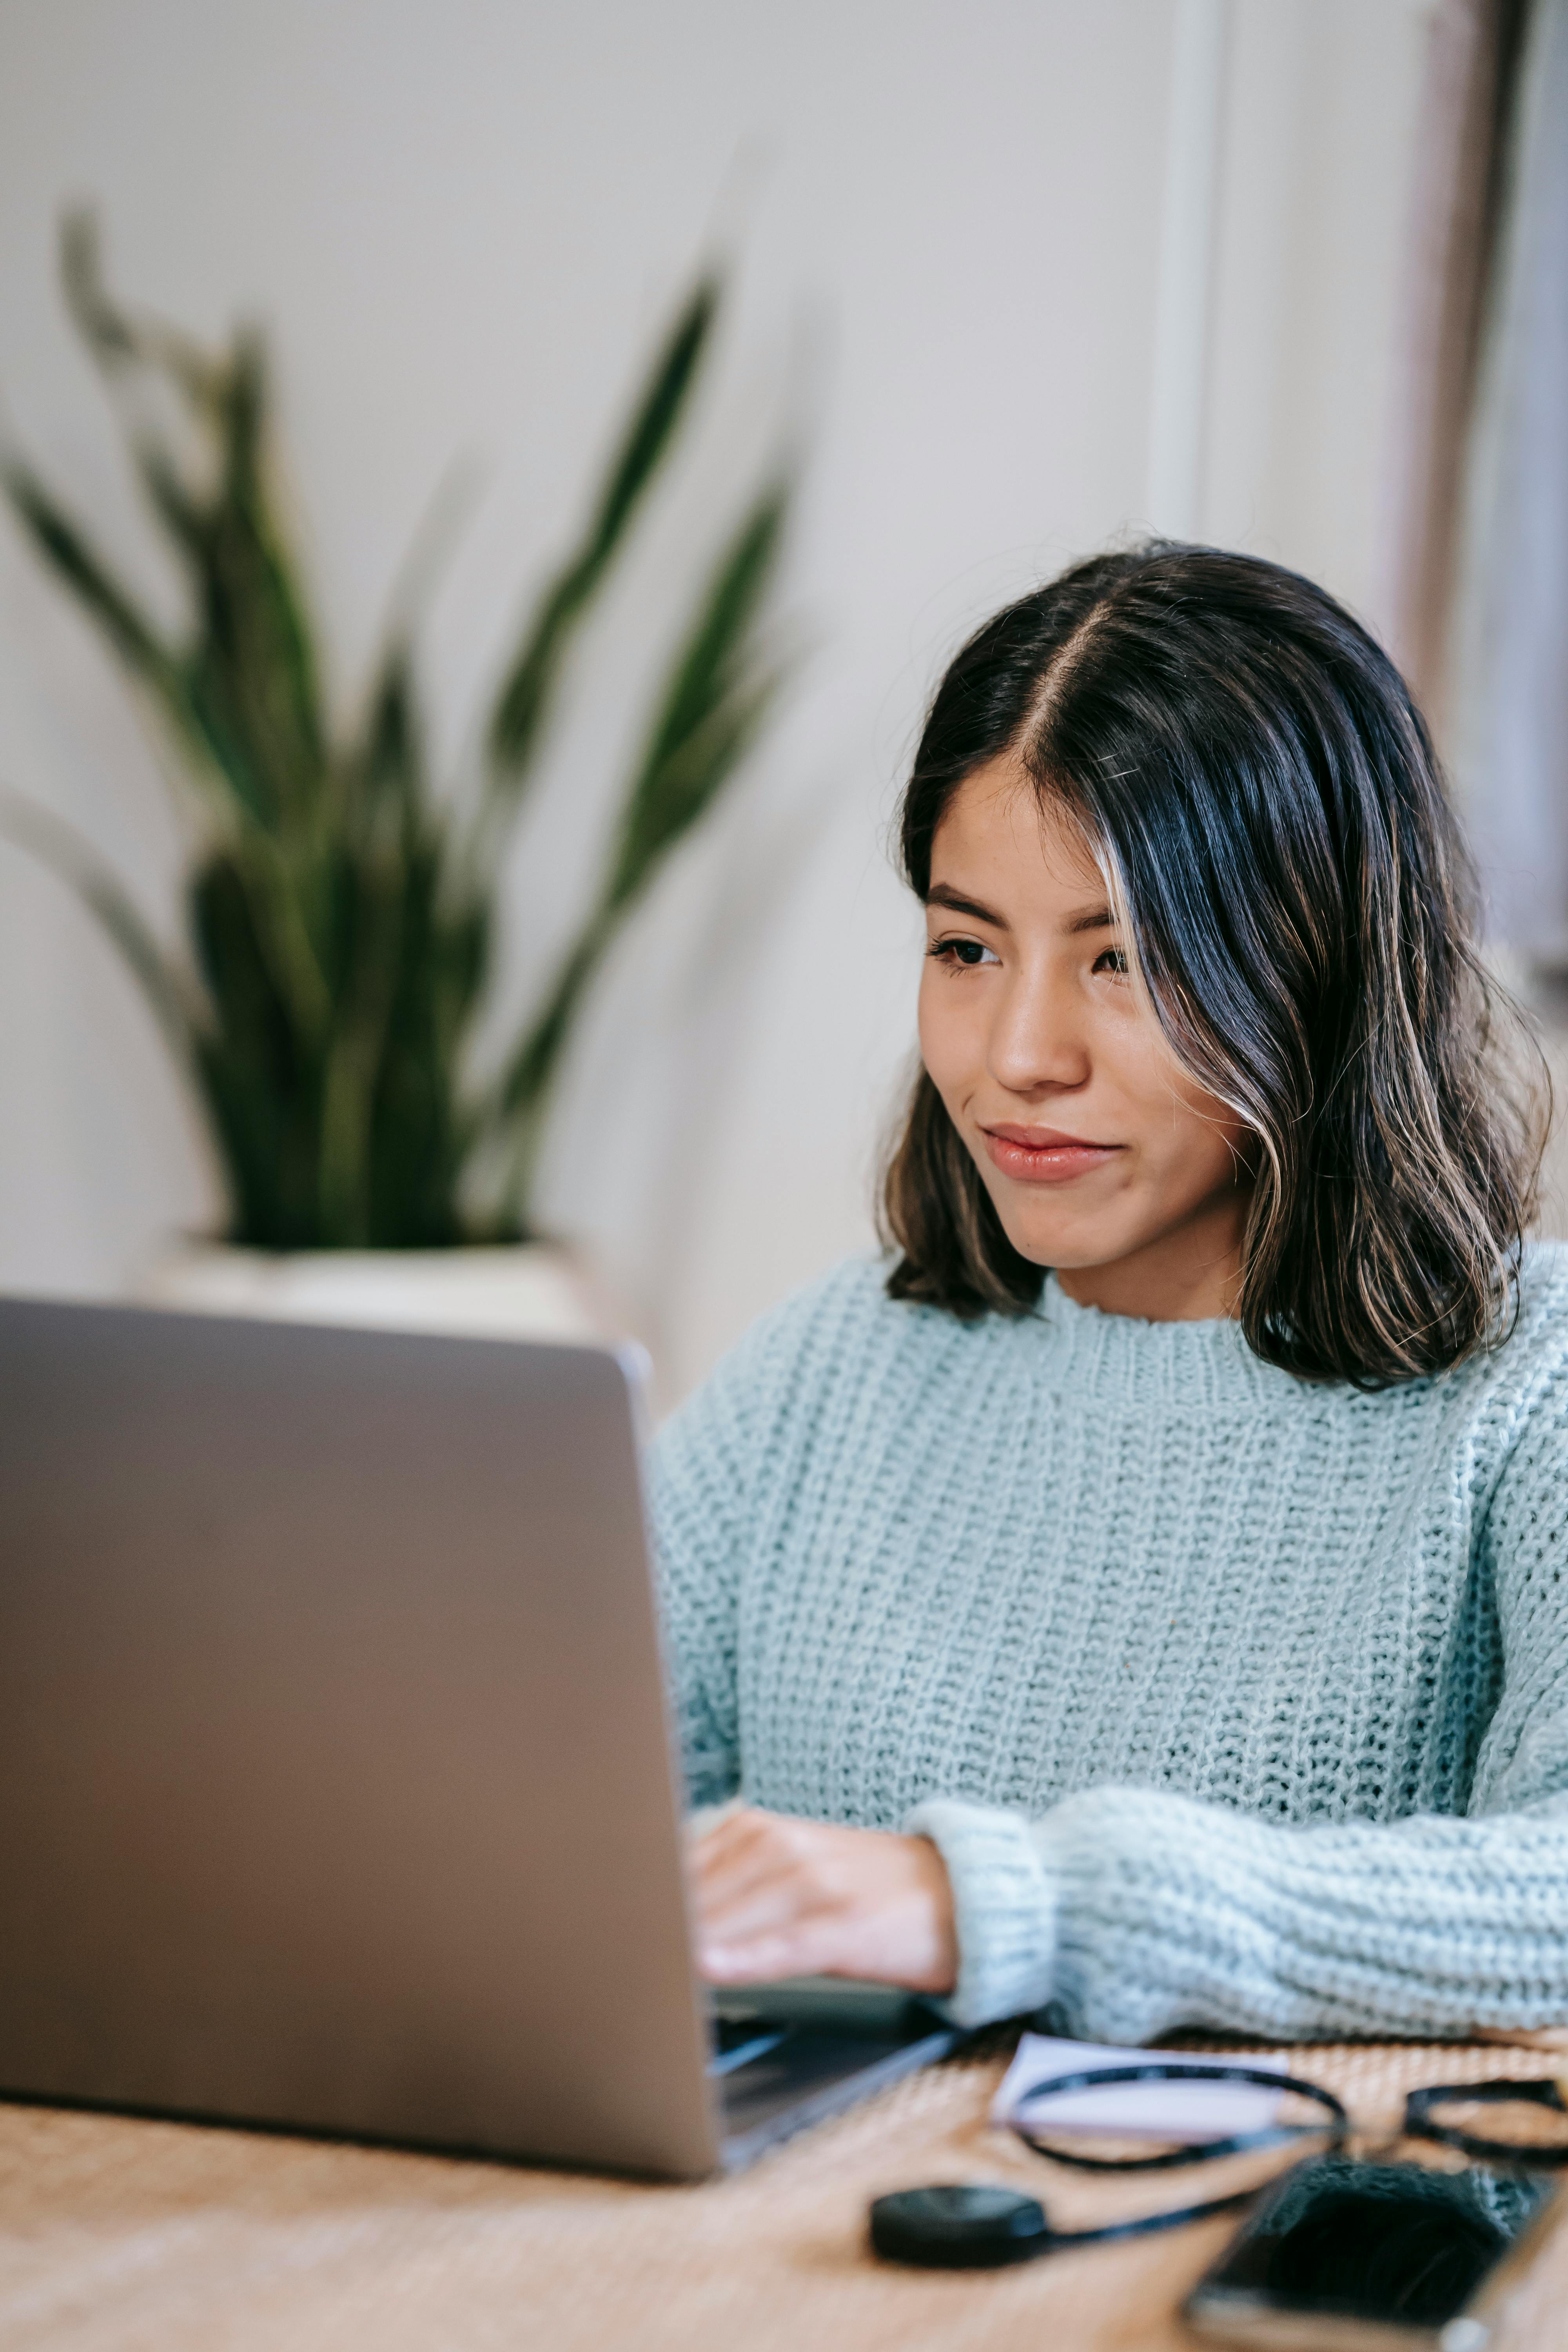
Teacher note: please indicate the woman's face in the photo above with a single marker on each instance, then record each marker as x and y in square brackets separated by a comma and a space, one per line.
[1103, 1160]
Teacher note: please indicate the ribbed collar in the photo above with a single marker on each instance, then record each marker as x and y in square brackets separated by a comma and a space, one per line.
[1191, 1365]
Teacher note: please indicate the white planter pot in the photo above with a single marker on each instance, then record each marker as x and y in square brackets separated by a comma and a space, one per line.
[531, 1291]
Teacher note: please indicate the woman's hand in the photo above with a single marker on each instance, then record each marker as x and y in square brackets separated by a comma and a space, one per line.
[780, 1897]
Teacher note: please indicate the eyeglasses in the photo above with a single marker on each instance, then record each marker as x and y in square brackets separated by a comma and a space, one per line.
[1531, 2114]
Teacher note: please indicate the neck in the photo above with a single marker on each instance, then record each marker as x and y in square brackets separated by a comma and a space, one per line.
[1187, 1276]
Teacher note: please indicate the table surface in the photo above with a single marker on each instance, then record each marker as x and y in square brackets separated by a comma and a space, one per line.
[126, 2233]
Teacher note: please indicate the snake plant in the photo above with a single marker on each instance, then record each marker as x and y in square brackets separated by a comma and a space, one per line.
[339, 910]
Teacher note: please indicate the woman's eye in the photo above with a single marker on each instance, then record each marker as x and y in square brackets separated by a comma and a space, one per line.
[1111, 960]
[965, 952]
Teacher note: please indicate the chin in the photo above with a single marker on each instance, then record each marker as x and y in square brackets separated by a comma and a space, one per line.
[1071, 1252]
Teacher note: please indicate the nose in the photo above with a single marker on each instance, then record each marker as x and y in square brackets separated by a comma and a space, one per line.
[1038, 1043]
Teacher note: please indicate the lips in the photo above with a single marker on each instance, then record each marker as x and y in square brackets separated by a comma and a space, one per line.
[1042, 1155]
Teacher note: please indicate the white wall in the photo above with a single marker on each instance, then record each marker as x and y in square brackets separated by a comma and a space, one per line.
[463, 220]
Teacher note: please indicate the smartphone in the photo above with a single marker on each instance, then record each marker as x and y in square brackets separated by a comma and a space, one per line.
[1344, 2252]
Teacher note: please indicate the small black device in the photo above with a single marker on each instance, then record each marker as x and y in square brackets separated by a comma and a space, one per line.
[965, 2227]
[1344, 2251]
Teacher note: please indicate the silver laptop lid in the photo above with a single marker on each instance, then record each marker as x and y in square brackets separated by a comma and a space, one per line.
[335, 1781]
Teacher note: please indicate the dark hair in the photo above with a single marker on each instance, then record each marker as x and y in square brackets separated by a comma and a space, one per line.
[1248, 766]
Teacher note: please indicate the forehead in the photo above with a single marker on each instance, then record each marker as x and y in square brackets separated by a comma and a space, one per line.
[999, 823]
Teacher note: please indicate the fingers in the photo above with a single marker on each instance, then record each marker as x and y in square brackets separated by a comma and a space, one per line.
[775, 1897]
[805, 1950]
[739, 1852]
[748, 1881]
[774, 1903]
[756, 1901]
[754, 1854]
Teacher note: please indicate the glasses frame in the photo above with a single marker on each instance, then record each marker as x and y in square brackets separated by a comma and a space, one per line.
[1498, 2090]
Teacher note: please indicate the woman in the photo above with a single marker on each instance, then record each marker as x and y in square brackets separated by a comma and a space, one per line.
[1178, 1635]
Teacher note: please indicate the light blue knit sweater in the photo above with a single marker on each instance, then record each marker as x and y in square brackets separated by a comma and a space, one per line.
[1229, 1700]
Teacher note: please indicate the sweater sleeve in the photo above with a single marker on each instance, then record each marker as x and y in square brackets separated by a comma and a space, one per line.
[1138, 1911]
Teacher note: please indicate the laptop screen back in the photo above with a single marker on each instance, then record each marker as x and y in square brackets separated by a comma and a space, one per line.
[335, 1787]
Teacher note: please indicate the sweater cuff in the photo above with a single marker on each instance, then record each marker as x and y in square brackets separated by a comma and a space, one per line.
[1005, 1907]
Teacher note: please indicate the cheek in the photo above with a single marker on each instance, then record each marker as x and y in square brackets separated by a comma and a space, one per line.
[1198, 1142]
[1189, 1137]
[947, 1029]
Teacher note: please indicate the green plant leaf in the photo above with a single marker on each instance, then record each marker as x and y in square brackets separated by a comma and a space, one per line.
[525, 695]
[116, 338]
[128, 348]
[68, 552]
[258, 1074]
[387, 770]
[253, 673]
[249, 679]
[175, 1004]
[655, 415]
[716, 696]
[421, 1132]
[214, 761]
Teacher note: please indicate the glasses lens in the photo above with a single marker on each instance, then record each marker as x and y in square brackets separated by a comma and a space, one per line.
[1534, 2126]
[1156, 2124]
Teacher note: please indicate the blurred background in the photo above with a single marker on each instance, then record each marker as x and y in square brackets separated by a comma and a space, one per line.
[1003, 284]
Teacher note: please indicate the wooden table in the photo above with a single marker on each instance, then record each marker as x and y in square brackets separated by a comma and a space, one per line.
[153, 2237]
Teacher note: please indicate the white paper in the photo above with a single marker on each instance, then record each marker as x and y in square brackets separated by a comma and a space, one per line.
[1181, 2113]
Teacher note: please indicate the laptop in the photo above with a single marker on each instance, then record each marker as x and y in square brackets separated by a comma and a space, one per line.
[336, 1782]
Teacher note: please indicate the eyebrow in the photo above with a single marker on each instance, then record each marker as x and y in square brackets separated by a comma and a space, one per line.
[940, 893]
